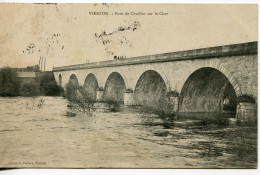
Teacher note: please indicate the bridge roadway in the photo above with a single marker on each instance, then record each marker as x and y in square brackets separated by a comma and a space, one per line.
[216, 79]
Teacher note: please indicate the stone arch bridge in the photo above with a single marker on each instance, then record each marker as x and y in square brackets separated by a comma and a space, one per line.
[215, 79]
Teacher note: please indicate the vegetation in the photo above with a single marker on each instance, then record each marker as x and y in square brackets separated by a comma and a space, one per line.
[44, 84]
[48, 86]
[162, 109]
[113, 105]
[100, 89]
[79, 97]
[70, 91]
[29, 88]
[128, 91]
[9, 83]
[82, 100]
[215, 122]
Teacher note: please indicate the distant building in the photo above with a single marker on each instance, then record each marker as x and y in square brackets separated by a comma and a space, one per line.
[34, 68]
[25, 76]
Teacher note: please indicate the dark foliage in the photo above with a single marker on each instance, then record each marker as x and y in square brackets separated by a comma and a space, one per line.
[71, 91]
[29, 88]
[128, 91]
[113, 105]
[163, 109]
[79, 97]
[9, 83]
[100, 89]
[218, 121]
[48, 85]
[45, 84]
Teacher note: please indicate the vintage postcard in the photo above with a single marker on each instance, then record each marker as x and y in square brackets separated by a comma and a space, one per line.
[111, 85]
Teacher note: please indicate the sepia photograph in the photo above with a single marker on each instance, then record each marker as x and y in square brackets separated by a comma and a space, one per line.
[128, 85]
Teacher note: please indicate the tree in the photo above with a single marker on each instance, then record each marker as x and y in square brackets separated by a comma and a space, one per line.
[48, 85]
[84, 100]
[29, 88]
[71, 91]
[79, 97]
[9, 82]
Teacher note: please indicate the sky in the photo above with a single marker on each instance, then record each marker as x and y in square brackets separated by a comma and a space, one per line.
[66, 34]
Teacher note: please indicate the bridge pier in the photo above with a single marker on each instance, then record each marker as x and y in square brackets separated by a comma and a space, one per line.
[129, 98]
[100, 95]
[246, 109]
[246, 112]
[174, 100]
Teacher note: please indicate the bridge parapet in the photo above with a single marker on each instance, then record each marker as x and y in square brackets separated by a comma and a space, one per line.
[211, 52]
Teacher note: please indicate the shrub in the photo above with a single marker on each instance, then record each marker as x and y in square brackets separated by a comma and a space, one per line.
[29, 88]
[163, 109]
[84, 100]
[9, 83]
[51, 89]
[128, 91]
[218, 121]
[70, 91]
[48, 85]
[113, 105]
[100, 89]
[79, 97]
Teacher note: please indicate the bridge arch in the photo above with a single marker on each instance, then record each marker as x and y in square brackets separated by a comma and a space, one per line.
[138, 73]
[208, 89]
[73, 80]
[115, 87]
[71, 87]
[216, 65]
[150, 89]
[91, 85]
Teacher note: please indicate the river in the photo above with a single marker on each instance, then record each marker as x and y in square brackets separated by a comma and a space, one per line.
[35, 132]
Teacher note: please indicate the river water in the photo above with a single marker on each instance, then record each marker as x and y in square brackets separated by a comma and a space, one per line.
[35, 132]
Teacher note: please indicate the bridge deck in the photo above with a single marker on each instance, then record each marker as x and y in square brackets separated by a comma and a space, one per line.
[211, 52]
